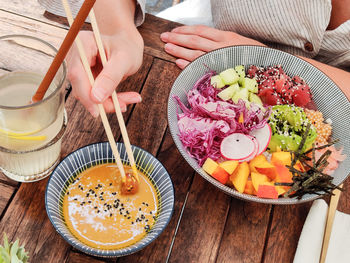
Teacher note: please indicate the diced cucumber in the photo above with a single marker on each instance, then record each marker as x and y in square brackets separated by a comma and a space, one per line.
[229, 76]
[250, 84]
[255, 99]
[217, 82]
[241, 73]
[227, 93]
[241, 94]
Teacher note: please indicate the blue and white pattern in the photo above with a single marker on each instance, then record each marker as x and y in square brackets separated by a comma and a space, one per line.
[100, 153]
[328, 97]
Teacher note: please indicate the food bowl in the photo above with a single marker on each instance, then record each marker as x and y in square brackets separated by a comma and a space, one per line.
[328, 97]
[96, 154]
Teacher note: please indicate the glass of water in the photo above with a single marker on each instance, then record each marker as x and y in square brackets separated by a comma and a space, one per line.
[30, 133]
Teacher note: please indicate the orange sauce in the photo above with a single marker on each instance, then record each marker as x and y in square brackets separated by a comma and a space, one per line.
[99, 216]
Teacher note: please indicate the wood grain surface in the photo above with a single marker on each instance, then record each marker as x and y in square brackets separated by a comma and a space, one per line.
[207, 225]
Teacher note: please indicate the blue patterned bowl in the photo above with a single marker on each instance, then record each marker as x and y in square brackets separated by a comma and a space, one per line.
[328, 97]
[100, 153]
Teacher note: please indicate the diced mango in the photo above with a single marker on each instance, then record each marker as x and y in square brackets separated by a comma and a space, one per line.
[284, 158]
[209, 166]
[283, 175]
[249, 188]
[229, 166]
[221, 175]
[266, 168]
[258, 179]
[254, 162]
[240, 176]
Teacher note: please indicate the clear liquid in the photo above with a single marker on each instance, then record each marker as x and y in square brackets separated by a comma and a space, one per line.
[24, 131]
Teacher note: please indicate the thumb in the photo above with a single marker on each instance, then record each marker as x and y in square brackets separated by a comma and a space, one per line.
[107, 81]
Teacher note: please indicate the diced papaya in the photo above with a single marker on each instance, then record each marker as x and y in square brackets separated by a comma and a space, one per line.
[221, 175]
[240, 176]
[249, 188]
[210, 166]
[258, 179]
[229, 166]
[254, 162]
[267, 191]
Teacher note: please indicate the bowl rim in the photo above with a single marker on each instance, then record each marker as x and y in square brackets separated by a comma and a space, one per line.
[110, 253]
[224, 188]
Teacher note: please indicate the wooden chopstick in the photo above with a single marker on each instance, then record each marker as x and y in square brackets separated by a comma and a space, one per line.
[63, 50]
[329, 224]
[118, 112]
[87, 68]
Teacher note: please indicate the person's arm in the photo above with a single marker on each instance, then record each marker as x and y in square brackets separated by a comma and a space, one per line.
[189, 42]
[124, 48]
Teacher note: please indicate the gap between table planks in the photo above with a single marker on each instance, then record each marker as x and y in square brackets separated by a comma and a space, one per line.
[244, 220]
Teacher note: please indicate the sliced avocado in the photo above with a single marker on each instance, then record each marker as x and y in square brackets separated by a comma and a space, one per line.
[217, 82]
[250, 84]
[229, 76]
[227, 93]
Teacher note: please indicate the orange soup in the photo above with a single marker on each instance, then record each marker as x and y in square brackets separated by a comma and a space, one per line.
[99, 216]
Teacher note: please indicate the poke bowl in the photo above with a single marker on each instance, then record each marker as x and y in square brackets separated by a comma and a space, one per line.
[107, 204]
[194, 112]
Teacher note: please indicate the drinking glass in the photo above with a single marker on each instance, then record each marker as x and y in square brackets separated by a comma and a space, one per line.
[30, 133]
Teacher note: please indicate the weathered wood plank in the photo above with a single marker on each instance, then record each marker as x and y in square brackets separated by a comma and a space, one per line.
[148, 123]
[286, 226]
[6, 193]
[14, 24]
[8, 181]
[245, 231]
[76, 257]
[181, 174]
[202, 224]
[27, 8]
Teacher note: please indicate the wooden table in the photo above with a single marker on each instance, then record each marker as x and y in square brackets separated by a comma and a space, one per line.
[207, 225]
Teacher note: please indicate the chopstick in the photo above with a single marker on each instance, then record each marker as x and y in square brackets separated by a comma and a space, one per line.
[103, 115]
[330, 218]
[118, 112]
[63, 50]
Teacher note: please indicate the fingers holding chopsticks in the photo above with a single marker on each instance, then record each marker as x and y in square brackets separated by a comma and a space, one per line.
[120, 65]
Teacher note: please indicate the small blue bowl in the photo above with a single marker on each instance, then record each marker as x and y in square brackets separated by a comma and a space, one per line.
[100, 153]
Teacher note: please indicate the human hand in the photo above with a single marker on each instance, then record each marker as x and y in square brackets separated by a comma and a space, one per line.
[124, 54]
[189, 42]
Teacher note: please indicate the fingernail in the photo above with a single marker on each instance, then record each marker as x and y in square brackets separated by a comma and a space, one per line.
[93, 111]
[167, 47]
[164, 36]
[124, 109]
[98, 94]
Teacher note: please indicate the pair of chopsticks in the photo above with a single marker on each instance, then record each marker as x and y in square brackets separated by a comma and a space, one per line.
[105, 122]
[329, 224]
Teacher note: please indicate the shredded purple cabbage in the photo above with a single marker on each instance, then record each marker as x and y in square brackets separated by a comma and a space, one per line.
[207, 119]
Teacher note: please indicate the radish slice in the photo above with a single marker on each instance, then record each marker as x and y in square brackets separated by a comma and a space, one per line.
[237, 146]
[255, 153]
[263, 136]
